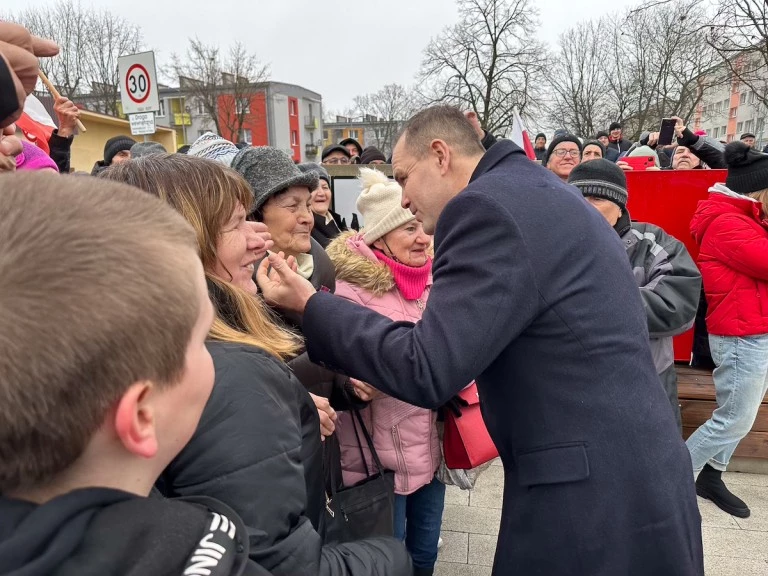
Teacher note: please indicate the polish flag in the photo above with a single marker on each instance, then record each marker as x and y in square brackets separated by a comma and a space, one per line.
[36, 124]
[520, 136]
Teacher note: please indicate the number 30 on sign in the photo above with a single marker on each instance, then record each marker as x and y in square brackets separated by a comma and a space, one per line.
[138, 83]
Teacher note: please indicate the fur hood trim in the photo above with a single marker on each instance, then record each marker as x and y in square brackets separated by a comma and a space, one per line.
[356, 264]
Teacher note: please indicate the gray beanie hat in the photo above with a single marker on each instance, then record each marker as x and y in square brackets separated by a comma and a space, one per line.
[601, 178]
[321, 172]
[147, 149]
[269, 171]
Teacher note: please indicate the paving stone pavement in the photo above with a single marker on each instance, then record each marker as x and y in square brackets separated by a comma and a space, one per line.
[732, 546]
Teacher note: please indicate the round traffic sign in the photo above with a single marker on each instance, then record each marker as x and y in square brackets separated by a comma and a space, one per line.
[137, 83]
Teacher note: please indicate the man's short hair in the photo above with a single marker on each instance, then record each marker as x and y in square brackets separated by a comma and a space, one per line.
[97, 292]
[444, 123]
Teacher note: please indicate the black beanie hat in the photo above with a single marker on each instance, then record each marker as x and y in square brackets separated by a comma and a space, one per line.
[370, 154]
[601, 179]
[614, 126]
[115, 145]
[540, 135]
[560, 140]
[601, 134]
[747, 168]
[594, 143]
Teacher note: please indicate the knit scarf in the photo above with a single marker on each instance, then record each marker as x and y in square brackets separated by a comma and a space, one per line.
[411, 281]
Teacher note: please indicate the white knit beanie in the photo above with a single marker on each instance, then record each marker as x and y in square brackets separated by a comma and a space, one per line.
[379, 204]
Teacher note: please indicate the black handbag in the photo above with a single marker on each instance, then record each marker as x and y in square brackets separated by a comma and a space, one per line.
[364, 510]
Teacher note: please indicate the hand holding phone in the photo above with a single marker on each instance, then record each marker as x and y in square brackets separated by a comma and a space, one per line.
[639, 162]
[667, 131]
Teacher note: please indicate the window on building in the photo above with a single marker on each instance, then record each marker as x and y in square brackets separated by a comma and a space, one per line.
[354, 134]
[733, 112]
[752, 97]
[161, 112]
[243, 107]
[743, 98]
[200, 107]
[246, 136]
[293, 108]
[749, 125]
[722, 132]
[760, 126]
[294, 138]
[715, 132]
[325, 134]
[740, 127]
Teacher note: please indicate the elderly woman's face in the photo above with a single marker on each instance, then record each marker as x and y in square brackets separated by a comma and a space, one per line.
[288, 216]
[321, 198]
[407, 244]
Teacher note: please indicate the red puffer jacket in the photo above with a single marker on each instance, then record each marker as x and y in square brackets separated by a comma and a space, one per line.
[732, 231]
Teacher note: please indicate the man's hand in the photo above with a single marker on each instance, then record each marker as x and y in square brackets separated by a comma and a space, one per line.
[653, 139]
[624, 166]
[475, 121]
[679, 126]
[67, 113]
[20, 50]
[10, 146]
[264, 239]
[281, 286]
[365, 392]
[327, 415]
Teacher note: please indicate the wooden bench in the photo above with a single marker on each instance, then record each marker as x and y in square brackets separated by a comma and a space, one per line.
[696, 392]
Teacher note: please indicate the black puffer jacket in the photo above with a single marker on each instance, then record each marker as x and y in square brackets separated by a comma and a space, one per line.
[98, 531]
[255, 449]
[323, 233]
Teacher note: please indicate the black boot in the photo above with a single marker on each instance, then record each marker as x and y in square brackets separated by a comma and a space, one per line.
[423, 571]
[710, 485]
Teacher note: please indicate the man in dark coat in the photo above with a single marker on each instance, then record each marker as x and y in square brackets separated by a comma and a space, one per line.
[616, 139]
[534, 299]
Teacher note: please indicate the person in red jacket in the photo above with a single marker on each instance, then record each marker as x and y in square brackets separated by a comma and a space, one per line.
[731, 227]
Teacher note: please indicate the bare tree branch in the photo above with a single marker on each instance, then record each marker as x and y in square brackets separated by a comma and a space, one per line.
[490, 62]
[225, 86]
[91, 42]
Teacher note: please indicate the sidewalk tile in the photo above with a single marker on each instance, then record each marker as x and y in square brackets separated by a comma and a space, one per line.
[469, 519]
[482, 549]
[455, 546]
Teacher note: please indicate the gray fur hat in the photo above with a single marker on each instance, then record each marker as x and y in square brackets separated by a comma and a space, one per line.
[322, 173]
[269, 171]
[146, 149]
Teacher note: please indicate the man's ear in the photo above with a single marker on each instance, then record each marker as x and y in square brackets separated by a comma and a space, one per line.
[135, 420]
[442, 154]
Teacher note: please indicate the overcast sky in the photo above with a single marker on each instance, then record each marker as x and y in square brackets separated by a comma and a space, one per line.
[339, 49]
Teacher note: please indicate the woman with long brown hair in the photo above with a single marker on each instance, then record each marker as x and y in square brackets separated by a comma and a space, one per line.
[257, 448]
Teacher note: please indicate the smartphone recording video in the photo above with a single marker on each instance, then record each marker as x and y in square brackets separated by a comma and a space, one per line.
[667, 131]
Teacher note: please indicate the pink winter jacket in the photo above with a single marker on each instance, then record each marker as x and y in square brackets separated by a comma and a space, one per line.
[405, 436]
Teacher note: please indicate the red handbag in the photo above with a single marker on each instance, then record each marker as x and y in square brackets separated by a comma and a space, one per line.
[466, 442]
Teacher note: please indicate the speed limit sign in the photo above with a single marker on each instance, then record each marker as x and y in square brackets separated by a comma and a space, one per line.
[138, 83]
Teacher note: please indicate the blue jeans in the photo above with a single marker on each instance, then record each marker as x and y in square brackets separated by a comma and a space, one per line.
[741, 380]
[418, 517]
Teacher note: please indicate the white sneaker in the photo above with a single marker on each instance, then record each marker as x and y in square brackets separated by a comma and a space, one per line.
[439, 542]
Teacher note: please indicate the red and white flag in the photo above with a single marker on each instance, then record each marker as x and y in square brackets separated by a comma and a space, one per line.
[520, 137]
[36, 124]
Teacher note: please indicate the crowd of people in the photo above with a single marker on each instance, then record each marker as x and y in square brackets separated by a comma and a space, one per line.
[199, 357]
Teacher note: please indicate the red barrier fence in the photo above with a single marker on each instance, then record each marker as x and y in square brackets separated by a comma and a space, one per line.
[668, 199]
